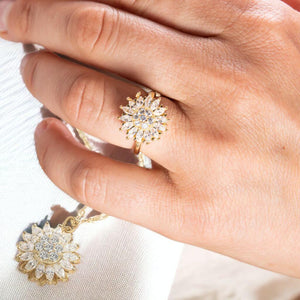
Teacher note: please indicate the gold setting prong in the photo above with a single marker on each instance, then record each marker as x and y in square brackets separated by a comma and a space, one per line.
[152, 94]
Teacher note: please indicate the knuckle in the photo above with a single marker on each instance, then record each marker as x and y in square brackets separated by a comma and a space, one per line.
[88, 184]
[93, 28]
[79, 104]
[270, 25]
[25, 11]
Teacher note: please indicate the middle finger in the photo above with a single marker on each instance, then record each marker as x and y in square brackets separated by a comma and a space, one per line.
[91, 101]
[102, 36]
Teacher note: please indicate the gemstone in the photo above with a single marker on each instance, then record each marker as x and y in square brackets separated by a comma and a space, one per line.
[127, 110]
[148, 113]
[150, 120]
[132, 132]
[31, 265]
[47, 228]
[26, 256]
[148, 136]
[143, 118]
[141, 111]
[163, 120]
[26, 246]
[155, 133]
[59, 271]
[44, 255]
[66, 265]
[131, 104]
[38, 246]
[58, 248]
[159, 111]
[36, 230]
[70, 256]
[58, 230]
[26, 236]
[54, 239]
[127, 125]
[44, 238]
[48, 247]
[155, 104]
[125, 118]
[162, 128]
[39, 271]
[148, 100]
[145, 125]
[71, 247]
[49, 272]
[53, 256]
[34, 238]
[67, 237]
[139, 102]
[139, 136]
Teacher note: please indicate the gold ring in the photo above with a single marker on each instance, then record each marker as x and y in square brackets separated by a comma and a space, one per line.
[144, 119]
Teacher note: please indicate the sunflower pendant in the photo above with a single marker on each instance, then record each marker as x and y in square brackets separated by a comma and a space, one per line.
[47, 255]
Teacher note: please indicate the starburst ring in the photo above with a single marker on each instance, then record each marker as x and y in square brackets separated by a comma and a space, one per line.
[144, 119]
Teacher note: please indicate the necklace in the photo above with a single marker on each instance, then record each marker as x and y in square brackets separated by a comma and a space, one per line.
[49, 254]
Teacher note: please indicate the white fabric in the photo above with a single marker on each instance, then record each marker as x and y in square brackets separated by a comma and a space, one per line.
[204, 275]
[119, 260]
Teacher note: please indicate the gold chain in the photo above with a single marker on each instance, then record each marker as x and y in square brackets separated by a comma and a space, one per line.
[71, 223]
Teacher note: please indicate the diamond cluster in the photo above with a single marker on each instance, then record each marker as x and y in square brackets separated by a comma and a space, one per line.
[48, 254]
[144, 119]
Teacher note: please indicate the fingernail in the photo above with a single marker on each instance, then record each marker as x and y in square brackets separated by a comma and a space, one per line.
[5, 7]
[41, 128]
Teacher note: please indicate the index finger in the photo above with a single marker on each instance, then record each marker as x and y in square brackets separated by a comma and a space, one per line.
[108, 38]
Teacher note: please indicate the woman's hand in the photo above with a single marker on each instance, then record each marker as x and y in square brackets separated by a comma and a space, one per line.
[227, 173]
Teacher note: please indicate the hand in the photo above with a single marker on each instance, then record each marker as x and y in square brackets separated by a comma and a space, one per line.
[227, 173]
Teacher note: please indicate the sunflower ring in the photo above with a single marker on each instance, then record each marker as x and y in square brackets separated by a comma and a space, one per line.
[144, 119]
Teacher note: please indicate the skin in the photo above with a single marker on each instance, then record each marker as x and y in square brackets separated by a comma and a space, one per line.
[227, 172]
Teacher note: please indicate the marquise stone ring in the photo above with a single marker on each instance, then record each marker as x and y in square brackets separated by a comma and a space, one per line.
[144, 119]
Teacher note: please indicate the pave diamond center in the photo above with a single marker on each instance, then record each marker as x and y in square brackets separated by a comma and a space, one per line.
[48, 249]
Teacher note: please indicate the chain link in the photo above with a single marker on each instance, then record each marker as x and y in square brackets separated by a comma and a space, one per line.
[71, 223]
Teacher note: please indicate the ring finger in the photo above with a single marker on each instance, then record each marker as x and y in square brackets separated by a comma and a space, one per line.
[91, 101]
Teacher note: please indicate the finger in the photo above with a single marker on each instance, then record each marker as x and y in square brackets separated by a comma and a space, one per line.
[205, 18]
[115, 188]
[91, 101]
[100, 35]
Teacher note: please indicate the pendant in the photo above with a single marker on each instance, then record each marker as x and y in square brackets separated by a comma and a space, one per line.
[47, 255]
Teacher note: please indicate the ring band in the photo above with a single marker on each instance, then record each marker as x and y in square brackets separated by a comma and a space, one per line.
[144, 119]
